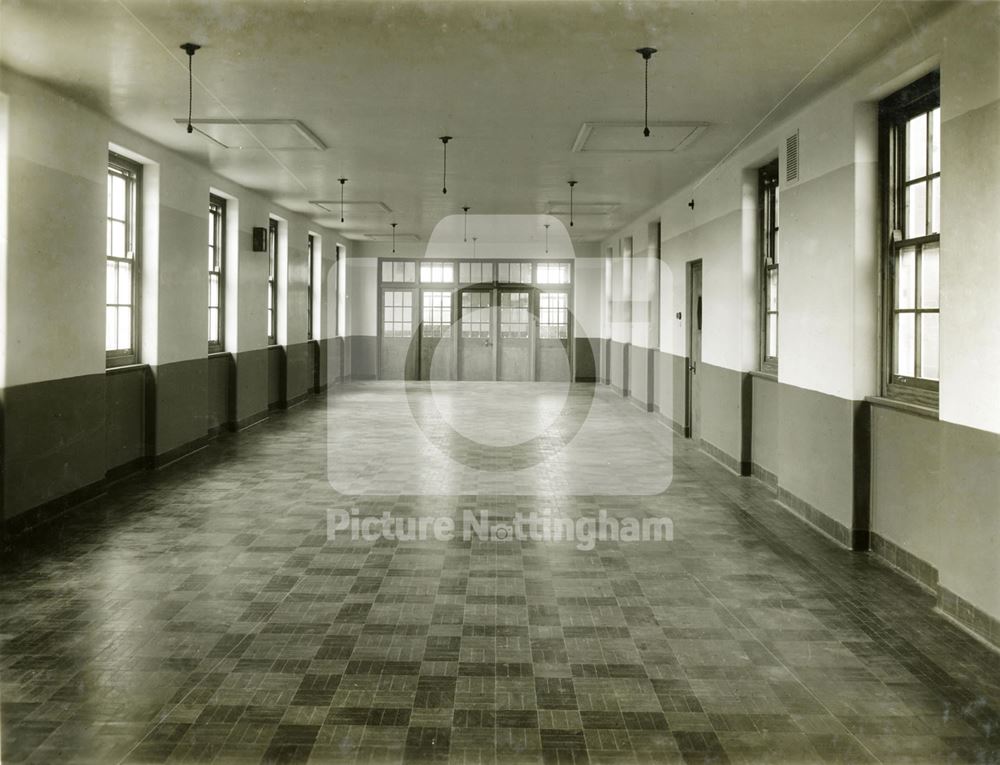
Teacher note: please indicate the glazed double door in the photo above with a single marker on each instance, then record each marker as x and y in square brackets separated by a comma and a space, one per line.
[495, 335]
[513, 334]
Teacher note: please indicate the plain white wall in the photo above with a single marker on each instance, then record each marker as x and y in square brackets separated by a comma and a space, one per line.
[57, 156]
[828, 287]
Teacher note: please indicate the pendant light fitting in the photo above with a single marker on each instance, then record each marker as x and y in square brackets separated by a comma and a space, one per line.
[190, 48]
[342, 182]
[571, 185]
[393, 237]
[646, 53]
[547, 238]
[465, 223]
[444, 176]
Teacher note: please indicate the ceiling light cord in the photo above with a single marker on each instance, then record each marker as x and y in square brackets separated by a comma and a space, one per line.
[394, 238]
[571, 185]
[444, 175]
[190, 49]
[342, 182]
[646, 53]
[547, 238]
[465, 223]
[645, 118]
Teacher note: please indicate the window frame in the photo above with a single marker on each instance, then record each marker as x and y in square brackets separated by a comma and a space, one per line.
[310, 265]
[215, 201]
[919, 97]
[272, 281]
[132, 172]
[768, 183]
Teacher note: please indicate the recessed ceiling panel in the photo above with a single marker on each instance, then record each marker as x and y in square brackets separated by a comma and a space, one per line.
[355, 205]
[582, 208]
[628, 136]
[387, 237]
[247, 134]
[376, 96]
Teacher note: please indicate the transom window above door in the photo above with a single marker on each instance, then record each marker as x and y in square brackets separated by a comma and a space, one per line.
[514, 273]
[475, 273]
[404, 271]
[437, 272]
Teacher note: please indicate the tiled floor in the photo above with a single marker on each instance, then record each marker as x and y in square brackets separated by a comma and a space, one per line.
[201, 614]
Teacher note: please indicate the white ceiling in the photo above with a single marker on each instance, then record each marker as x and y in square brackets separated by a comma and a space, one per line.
[513, 82]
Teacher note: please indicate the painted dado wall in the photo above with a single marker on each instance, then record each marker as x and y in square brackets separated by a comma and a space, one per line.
[922, 490]
[68, 423]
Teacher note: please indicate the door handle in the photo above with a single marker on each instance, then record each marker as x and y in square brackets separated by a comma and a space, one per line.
[691, 368]
[489, 343]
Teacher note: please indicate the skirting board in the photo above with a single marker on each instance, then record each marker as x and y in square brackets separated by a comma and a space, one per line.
[814, 517]
[765, 476]
[42, 516]
[713, 451]
[646, 406]
[250, 420]
[956, 608]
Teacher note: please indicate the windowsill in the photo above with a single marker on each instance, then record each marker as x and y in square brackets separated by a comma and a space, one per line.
[123, 368]
[218, 354]
[920, 410]
[772, 376]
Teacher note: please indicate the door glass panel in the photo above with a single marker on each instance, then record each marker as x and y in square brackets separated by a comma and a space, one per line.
[476, 315]
[436, 314]
[514, 314]
[397, 312]
[553, 319]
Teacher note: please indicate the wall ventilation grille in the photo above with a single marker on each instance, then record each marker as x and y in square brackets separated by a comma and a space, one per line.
[792, 157]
